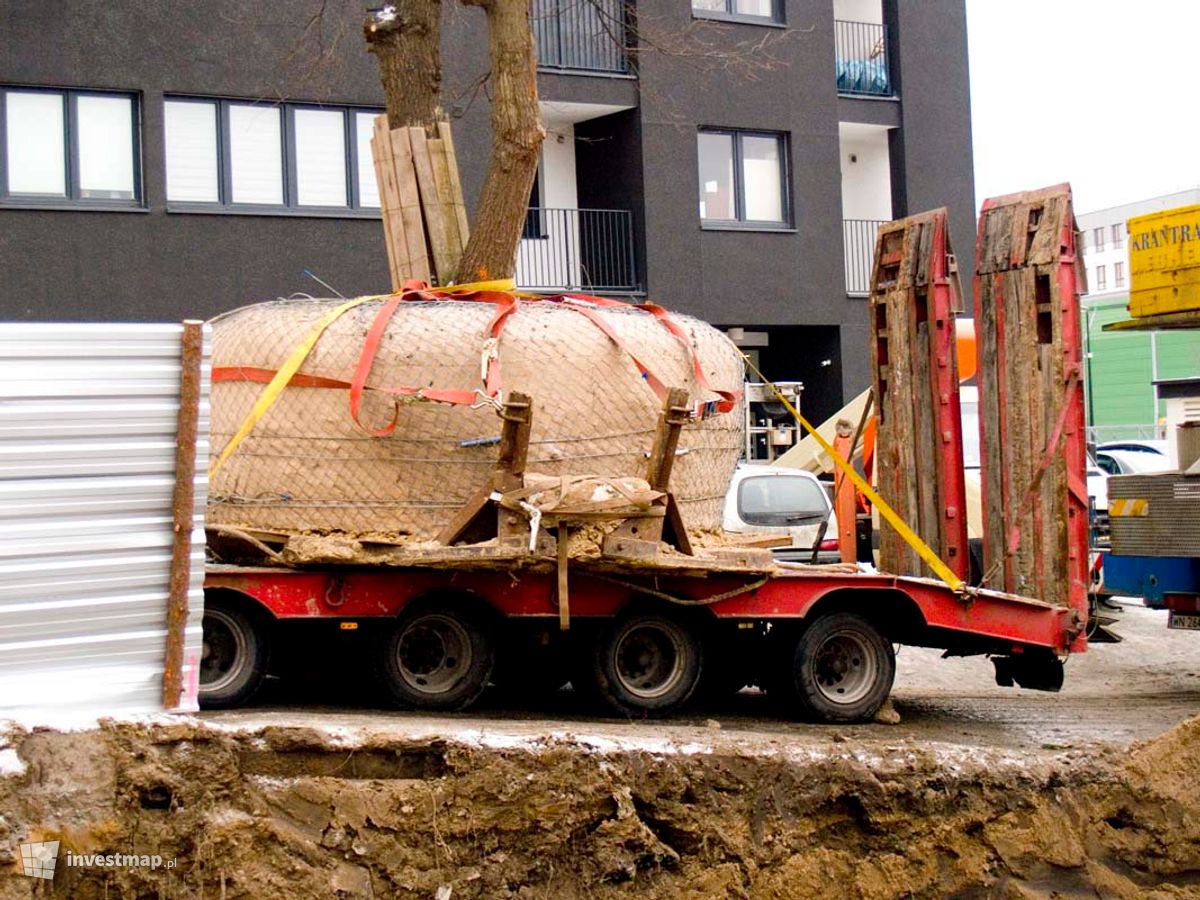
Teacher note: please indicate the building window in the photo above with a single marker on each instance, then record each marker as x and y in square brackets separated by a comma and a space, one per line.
[67, 146]
[1098, 238]
[1119, 274]
[269, 156]
[1101, 278]
[741, 10]
[1118, 236]
[743, 178]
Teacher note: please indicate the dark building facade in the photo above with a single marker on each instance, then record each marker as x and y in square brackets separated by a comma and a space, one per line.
[726, 158]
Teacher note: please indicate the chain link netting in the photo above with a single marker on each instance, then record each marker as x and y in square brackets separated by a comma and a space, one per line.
[307, 467]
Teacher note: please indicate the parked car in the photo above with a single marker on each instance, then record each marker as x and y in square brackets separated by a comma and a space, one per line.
[792, 503]
[1158, 447]
[1131, 462]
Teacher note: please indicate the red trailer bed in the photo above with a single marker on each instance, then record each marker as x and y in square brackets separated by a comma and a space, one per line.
[819, 641]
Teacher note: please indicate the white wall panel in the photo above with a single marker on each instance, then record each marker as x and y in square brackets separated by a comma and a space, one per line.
[87, 459]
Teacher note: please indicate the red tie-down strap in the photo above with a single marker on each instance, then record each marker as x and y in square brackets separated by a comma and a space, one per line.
[415, 290]
[506, 304]
[728, 399]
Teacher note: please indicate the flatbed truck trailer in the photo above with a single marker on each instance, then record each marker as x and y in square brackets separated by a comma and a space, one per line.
[820, 643]
[643, 630]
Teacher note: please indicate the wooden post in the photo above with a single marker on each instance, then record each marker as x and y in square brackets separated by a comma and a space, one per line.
[663, 522]
[507, 476]
[564, 548]
[183, 504]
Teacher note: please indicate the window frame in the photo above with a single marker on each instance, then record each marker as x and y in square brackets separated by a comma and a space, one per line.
[287, 139]
[1118, 274]
[1118, 236]
[72, 196]
[777, 18]
[740, 222]
[1098, 238]
[1101, 278]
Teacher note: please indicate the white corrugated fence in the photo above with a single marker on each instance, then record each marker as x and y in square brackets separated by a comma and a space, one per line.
[88, 416]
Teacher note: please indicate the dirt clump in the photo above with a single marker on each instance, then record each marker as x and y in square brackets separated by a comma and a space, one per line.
[317, 812]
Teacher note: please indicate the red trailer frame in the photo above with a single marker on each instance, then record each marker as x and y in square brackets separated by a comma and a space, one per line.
[1010, 623]
[747, 628]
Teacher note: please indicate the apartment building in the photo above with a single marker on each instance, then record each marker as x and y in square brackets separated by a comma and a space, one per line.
[726, 158]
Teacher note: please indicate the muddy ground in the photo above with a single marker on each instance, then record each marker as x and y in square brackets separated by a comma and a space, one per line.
[979, 791]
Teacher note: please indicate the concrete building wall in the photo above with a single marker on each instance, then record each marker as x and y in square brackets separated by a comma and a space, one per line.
[637, 152]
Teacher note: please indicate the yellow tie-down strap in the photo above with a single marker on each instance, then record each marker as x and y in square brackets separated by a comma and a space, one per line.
[293, 363]
[893, 518]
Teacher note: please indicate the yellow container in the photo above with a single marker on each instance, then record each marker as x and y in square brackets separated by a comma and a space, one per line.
[1164, 262]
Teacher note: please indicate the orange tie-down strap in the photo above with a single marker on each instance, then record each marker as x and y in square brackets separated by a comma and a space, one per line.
[506, 303]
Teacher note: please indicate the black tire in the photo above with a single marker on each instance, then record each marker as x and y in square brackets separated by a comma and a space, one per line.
[839, 668]
[235, 655]
[645, 664]
[438, 655]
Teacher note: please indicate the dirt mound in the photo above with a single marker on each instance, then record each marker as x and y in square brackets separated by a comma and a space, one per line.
[305, 812]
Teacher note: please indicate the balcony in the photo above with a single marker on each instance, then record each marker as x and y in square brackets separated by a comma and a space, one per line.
[577, 249]
[858, 240]
[862, 61]
[580, 35]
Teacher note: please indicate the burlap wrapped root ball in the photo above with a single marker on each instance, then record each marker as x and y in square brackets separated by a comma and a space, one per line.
[307, 466]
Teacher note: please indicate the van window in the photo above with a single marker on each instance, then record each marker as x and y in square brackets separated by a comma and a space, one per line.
[781, 500]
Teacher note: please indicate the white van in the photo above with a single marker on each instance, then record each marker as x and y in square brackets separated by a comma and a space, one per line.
[774, 500]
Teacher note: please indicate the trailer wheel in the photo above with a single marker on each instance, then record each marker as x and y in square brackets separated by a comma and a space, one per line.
[438, 655]
[233, 661]
[646, 664]
[839, 669]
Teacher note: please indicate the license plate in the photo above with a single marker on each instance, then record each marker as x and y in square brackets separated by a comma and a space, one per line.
[1184, 621]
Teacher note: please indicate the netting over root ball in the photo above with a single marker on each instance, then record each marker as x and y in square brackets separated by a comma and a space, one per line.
[307, 466]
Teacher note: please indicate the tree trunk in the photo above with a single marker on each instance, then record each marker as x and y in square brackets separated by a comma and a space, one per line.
[516, 141]
[408, 46]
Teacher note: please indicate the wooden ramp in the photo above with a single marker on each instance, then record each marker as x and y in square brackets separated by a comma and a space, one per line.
[1027, 322]
[914, 297]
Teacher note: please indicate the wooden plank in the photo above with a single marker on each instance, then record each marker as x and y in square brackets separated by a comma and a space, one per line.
[1028, 328]
[928, 490]
[389, 202]
[675, 529]
[471, 521]
[563, 559]
[183, 505]
[661, 522]
[514, 442]
[466, 516]
[1025, 403]
[410, 207]
[431, 206]
[441, 177]
[989, 297]
[456, 191]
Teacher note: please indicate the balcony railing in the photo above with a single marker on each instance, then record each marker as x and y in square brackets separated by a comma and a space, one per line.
[862, 61]
[858, 239]
[577, 249]
[580, 35]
